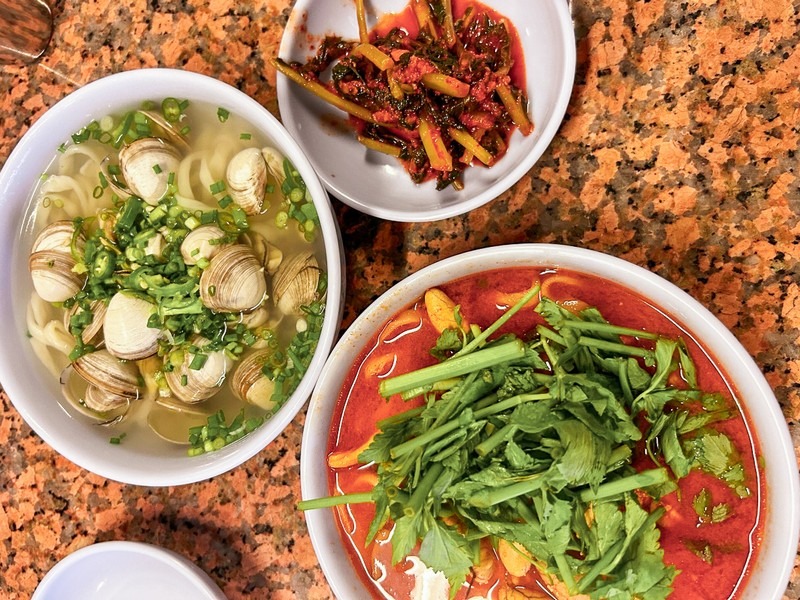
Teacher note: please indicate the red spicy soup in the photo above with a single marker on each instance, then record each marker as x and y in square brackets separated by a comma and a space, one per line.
[709, 532]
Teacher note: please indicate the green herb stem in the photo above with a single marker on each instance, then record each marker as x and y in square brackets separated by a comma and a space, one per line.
[329, 501]
[565, 572]
[619, 456]
[614, 347]
[639, 480]
[497, 438]
[492, 496]
[438, 386]
[433, 434]
[482, 337]
[509, 403]
[423, 489]
[453, 367]
[609, 329]
[399, 417]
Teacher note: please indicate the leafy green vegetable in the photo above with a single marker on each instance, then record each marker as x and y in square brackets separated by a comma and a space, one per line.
[533, 444]
[707, 511]
[714, 452]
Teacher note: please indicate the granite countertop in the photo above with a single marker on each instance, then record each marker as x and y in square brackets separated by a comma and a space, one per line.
[677, 153]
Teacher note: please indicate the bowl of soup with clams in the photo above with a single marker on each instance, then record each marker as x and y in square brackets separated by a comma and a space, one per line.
[542, 421]
[174, 277]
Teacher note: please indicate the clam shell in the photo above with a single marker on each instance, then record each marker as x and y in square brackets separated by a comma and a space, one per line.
[198, 244]
[102, 401]
[105, 407]
[58, 236]
[249, 383]
[52, 275]
[247, 180]
[138, 161]
[295, 283]
[274, 160]
[125, 329]
[169, 130]
[255, 318]
[196, 385]
[91, 331]
[270, 255]
[105, 371]
[233, 281]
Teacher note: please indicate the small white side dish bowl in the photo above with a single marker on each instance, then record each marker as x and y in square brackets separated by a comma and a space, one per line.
[126, 571]
[378, 185]
[770, 572]
[33, 392]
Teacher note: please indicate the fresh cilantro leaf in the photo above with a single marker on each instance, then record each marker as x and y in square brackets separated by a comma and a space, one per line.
[688, 370]
[407, 531]
[585, 455]
[444, 549]
[701, 549]
[714, 452]
[702, 505]
[720, 512]
[449, 341]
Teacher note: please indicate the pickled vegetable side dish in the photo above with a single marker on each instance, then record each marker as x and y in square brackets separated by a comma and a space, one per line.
[440, 86]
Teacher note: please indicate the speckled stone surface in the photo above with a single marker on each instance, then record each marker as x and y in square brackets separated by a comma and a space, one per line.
[679, 153]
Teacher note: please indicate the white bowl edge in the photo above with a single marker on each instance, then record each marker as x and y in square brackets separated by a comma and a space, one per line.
[56, 583]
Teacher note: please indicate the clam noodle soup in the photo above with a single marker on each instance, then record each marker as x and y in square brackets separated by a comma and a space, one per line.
[178, 273]
[620, 463]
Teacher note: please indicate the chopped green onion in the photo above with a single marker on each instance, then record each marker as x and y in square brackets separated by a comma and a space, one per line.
[217, 187]
[198, 360]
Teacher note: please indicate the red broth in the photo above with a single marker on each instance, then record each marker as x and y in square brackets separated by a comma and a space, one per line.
[401, 346]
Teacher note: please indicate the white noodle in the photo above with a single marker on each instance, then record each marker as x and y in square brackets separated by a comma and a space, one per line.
[59, 337]
[184, 175]
[44, 354]
[74, 206]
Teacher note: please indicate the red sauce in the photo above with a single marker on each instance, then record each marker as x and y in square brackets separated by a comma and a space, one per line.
[406, 21]
[407, 336]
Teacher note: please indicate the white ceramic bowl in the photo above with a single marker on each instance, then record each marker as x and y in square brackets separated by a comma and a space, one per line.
[378, 185]
[126, 571]
[771, 570]
[32, 392]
